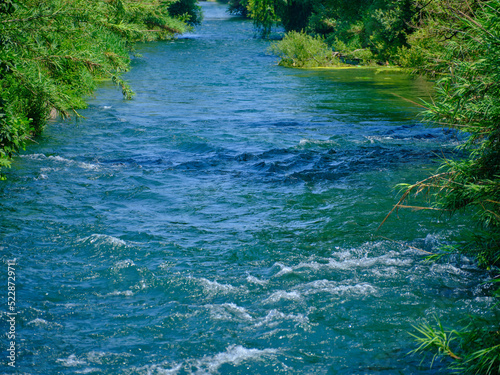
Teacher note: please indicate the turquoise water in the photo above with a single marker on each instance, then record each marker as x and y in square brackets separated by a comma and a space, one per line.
[225, 221]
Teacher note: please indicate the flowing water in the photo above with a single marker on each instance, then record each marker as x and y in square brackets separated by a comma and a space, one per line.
[225, 221]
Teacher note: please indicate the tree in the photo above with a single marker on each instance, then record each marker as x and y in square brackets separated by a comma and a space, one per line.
[53, 51]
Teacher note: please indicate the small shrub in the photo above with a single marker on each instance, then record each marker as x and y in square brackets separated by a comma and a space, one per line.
[297, 49]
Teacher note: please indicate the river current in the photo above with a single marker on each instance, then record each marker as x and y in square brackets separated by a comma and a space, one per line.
[224, 221]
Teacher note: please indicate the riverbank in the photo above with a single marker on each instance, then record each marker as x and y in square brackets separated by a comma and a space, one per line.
[53, 55]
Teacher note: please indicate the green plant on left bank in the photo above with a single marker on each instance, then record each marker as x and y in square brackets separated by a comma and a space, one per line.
[53, 52]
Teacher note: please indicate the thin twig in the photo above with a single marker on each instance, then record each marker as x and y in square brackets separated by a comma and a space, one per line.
[407, 192]
[410, 101]
[418, 208]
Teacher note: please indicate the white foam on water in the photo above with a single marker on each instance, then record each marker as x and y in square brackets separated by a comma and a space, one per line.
[103, 239]
[89, 166]
[126, 293]
[49, 169]
[34, 156]
[348, 260]
[38, 322]
[213, 287]
[71, 361]
[484, 299]
[234, 354]
[276, 317]
[229, 311]
[164, 368]
[88, 370]
[283, 269]
[388, 272]
[311, 265]
[449, 269]
[71, 305]
[142, 284]
[381, 139]
[60, 159]
[332, 287]
[254, 280]
[305, 141]
[42, 322]
[90, 358]
[164, 371]
[98, 357]
[166, 265]
[124, 263]
[283, 295]
[351, 259]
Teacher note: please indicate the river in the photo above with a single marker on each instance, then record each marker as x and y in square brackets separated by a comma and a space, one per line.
[225, 221]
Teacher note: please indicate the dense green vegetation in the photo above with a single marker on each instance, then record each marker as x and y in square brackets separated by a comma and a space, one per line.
[467, 99]
[360, 29]
[53, 52]
[402, 32]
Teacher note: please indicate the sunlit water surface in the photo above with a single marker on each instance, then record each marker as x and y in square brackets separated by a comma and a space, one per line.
[225, 221]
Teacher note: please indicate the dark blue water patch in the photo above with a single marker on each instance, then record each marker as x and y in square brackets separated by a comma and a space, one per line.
[422, 133]
[305, 164]
[138, 162]
[246, 156]
[285, 124]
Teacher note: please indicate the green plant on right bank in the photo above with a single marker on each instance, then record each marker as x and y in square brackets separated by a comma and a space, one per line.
[467, 66]
[473, 350]
[467, 99]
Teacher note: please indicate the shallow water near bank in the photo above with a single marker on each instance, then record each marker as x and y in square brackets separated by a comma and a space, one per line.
[225, 221]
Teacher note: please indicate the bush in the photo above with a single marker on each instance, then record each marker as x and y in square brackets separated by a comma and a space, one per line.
[353, 51]
[303, 51]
